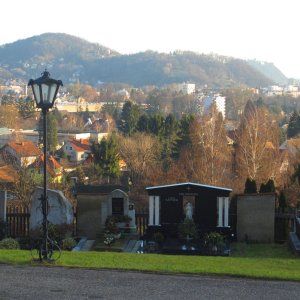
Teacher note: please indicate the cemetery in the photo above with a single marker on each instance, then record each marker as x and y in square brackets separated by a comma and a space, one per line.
[181, 218]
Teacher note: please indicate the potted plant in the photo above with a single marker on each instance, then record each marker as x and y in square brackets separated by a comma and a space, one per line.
[214, 241]
[122, 220]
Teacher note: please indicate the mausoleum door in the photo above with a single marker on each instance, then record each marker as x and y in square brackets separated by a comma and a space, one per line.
[117, 206]
[171, 210]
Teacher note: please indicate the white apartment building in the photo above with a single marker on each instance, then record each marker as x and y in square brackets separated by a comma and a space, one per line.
[186, 88]
[219, 100]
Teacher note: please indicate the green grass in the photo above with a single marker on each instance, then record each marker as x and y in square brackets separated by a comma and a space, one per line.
[254, 261]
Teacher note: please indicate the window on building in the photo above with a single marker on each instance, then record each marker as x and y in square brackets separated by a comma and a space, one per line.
[10, 196]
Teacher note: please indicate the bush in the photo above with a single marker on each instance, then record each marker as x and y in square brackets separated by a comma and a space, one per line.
[214, 239]
[9, 243]
[111, 226]
[250, 186]
[188, 229]
[158, 237]
[68, 243]
[56, 232]
[268, 187]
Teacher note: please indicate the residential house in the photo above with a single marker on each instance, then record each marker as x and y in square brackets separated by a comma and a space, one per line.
[7, 178]
[22, 153]
[77, 150]
[290, 150]
[53, 167]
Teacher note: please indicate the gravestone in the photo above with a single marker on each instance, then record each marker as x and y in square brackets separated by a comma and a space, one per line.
[60, 209]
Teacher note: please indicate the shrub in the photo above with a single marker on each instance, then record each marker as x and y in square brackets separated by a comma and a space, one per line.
[268, 187]
[214, 239]
[56, 232]
[187, 229]
[68, 243]
[250, 186]
[158, 237]
[9, 243]
[110, 225]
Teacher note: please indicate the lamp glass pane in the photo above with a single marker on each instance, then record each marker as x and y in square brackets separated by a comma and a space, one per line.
[36, 91]
[53, 88]
[45, 92]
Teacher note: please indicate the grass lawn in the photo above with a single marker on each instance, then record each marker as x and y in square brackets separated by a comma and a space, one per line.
[247, 260]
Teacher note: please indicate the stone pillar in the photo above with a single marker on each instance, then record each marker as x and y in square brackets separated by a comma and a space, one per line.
[220, 212]
[226, 210]
[156, 207]
[151, 210]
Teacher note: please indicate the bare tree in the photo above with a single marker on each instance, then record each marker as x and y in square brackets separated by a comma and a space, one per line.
[210, 150]
[22, 183]
[257, 155]
[9, 116]
[140, 152]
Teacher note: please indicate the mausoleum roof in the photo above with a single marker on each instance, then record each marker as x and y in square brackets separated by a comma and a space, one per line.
[191, 184]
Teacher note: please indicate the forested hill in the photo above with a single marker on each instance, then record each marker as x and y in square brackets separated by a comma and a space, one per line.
[71, 58]
[269, 70]
[152, 68]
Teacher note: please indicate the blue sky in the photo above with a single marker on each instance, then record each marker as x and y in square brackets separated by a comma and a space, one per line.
[265, 30]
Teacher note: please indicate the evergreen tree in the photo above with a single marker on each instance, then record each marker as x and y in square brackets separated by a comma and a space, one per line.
[26, 107]
[184, 132]
[143, 123]
[250, 186]
[262, 188]
[270, 186]
[259, 102]
[106, 156]
[170, 138]
[294, 125]
[129, 118]
[156, 125]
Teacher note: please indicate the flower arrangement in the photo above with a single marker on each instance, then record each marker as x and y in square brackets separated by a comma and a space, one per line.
[214, 240]
[108, 239]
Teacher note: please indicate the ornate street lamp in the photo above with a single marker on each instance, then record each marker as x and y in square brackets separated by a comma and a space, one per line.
[45, 91]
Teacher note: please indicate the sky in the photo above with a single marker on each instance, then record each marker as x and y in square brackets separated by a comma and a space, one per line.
[249, 29]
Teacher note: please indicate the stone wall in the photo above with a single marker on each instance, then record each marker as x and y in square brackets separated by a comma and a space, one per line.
[256, 217]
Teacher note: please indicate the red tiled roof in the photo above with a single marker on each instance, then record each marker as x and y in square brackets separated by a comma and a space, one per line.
[269, 145]
[81, 145]
[52, 164]
[7, 174]
[24, 148]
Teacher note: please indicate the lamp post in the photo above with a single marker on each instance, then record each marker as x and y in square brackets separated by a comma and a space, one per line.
[45, 91]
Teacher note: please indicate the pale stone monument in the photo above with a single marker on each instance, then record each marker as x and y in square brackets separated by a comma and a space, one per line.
[189, 211]
[60, 209]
